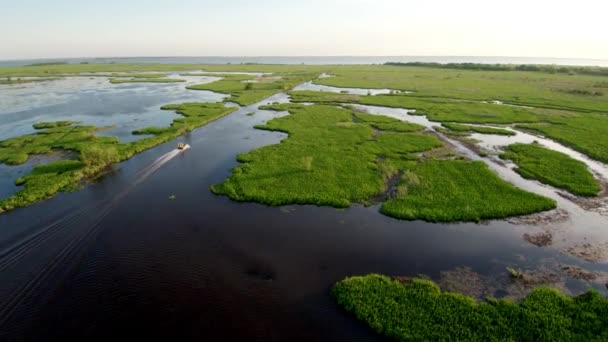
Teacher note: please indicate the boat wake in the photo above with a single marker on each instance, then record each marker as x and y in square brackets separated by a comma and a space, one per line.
[157, 164]
[74, 230]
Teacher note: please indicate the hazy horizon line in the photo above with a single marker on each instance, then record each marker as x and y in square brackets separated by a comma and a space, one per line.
[297, 56]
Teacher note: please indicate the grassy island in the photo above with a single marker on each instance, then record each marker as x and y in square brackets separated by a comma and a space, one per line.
[248, 89]
[459, 128]
[420, 311]
[336, 156]
[554, 168]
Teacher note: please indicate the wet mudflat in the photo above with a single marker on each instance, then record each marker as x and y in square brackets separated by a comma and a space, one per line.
[121, 258]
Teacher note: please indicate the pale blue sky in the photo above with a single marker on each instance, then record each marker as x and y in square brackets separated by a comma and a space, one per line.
[102, 28]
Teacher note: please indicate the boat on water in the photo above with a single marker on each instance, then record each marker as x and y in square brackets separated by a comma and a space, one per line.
[182, 146]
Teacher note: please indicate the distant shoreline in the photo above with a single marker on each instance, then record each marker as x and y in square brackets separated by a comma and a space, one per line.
[316, 60]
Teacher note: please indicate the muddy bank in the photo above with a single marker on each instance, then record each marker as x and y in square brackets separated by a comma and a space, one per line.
[542, 239]
[598, 204]
[515, 283]
[590, 251]
[541, 219]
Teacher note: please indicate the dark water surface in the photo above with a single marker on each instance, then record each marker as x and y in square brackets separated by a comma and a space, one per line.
[120, 259]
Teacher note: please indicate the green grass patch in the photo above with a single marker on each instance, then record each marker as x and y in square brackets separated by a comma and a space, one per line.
[121, 69]
[327, 159]
[420, 311]
[553, 168]
[552, 69]
[585, 133]
[580, 131]
[386, 123]
[53, 124]
[10, 80]
[518, 87]
[476, 129]
[333, 156]
[452, 190]
[249, 89]
[436, 109]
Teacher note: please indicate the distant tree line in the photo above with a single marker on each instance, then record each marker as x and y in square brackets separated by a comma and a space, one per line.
[47, 63]
[553, 69]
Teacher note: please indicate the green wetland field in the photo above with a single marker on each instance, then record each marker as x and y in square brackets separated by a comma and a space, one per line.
[406, 160]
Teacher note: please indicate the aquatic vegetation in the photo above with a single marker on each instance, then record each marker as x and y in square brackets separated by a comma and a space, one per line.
[18, 80]
[249, 89]
[579, 131]
[551, 167]
[95, 153]
[530, 88]
[146, 80]
[435, 109]
[335, 156]
[90, 70]
[552, 69]
[420, 311]
[476, 129]
[386, 123]
[515, 273]
[60, 136]
[585, 133]
[52, 124]
[327, 160]
[455, 190]
[347, 156]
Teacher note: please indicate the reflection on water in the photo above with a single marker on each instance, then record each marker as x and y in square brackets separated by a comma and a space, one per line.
[354, 91]
[95, 101]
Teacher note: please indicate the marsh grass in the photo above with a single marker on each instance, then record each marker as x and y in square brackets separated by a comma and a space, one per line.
[420, 311]
[249, 89]
[385, 123]
[95, 153]
[53, 124]
[585, 133]
[551, 167]
[453, 190]
[436, 109]
[129, 69]
[528, 88]
[515, 273]
[476, 129]
[322, 161]
[9, 80]
[580, 131]
[325, 162]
